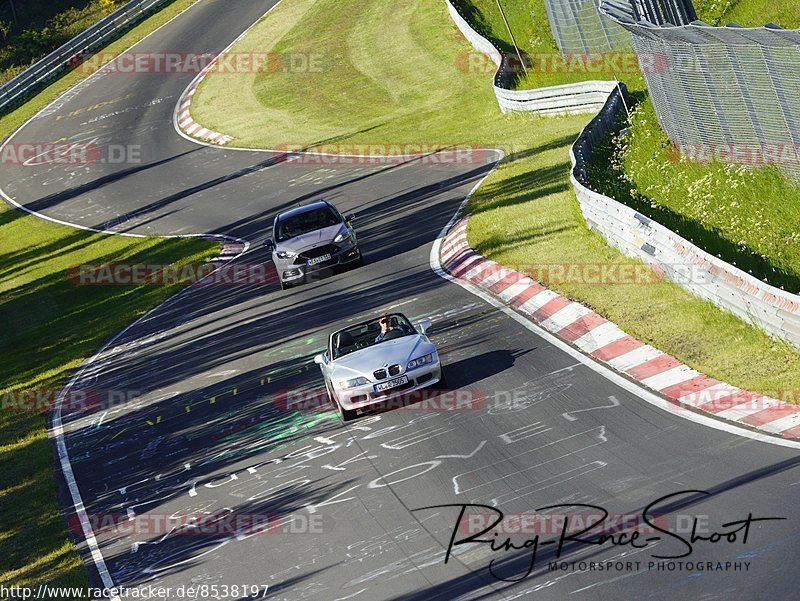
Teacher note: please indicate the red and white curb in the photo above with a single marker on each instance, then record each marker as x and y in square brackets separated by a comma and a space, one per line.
[189, 125]
[229, 251]
[602, 340]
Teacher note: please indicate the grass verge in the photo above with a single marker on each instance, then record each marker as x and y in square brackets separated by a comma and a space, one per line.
[49, 326]
[525, 214]
[747, 216]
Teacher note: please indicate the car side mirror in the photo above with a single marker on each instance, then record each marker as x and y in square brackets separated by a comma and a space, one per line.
[349, 217]
[269, 244]
[423, 325]
[321, 359]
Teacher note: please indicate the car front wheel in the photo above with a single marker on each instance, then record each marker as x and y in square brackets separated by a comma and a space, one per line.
[442, 380]
[345, 414]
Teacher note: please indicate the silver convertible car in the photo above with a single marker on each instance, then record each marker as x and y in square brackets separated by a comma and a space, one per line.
[374, 362]
[311, 238]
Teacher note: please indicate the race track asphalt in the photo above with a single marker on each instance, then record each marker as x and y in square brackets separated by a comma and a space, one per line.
[205, 431]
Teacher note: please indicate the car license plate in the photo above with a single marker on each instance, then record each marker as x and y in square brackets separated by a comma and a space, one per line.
[391, 384]
[321, 259]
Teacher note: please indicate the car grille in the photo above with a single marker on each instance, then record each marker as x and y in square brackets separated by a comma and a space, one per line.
[382, 374]
[313, 253]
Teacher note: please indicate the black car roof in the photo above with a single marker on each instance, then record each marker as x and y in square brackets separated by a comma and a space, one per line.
[304, 209]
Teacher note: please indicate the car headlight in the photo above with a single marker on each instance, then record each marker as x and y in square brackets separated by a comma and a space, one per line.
[360, 381]
[343, 234]
[285, 254]
[419, 362]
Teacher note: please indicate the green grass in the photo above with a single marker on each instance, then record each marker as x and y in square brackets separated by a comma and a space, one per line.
[744, 215]
[750, 13]
[49, 326]
[531, 29]
[525, 214]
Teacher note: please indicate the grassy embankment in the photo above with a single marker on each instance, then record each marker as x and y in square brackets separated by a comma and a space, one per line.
[744, 215]
[48, 327]
[413, 90]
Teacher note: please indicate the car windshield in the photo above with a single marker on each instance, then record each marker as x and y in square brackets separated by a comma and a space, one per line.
[365, 334]
[307, 221]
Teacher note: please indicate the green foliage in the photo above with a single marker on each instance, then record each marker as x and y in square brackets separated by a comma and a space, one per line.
[750, 13]
[745, 215]
[40, 31]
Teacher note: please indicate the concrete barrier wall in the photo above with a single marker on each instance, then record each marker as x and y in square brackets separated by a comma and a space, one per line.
[775, 311]
[582, 97]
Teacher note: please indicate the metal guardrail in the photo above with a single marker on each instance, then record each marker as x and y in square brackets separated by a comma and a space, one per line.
[775, 311]
[579, 26]
[582, 97]
[99, 34]
[721, 93]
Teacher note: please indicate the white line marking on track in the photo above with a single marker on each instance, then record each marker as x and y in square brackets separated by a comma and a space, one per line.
[614, 403]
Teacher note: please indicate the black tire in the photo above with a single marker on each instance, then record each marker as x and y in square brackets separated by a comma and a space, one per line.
[442, 380]
[345, 415]
[360, 261]
[284, 285]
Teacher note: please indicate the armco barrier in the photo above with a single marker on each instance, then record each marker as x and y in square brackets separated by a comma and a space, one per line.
[102, 32]
[582, 97]
[775, 311]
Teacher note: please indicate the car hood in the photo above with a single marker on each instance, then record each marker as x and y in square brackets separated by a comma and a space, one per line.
[315, 238]
[364, 362]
